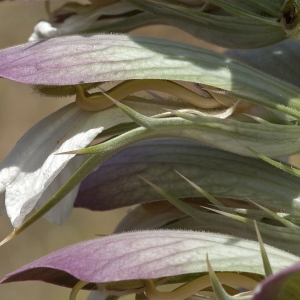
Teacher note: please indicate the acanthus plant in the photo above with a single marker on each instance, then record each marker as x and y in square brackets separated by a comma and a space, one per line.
[185, 131]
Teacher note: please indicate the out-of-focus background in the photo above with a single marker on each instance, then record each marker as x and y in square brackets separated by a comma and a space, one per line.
[19, 110]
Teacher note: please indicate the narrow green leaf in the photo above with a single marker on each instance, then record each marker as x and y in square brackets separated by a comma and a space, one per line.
[216, 285]
[132, 114]
[264, 255]
[176, 202]
[232, 216]
[217, 133]
[211, 198]
[262, 214]
[277, 164]
[117, 130]
[277, 217]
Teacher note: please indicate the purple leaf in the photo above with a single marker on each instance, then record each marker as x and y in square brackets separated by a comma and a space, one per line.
[72, 60]
[280, 286]
[116, 184]
[148, 254]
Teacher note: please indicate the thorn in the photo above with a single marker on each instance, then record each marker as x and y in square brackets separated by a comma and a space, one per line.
[8, 238]
[69, 152]
[264, 255]
[132, 114]
[211, 198]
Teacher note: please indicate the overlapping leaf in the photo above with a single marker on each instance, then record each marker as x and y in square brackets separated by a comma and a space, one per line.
[81, 59]
[152, 216]
[220, 173]
[33, 172]
[243, 29]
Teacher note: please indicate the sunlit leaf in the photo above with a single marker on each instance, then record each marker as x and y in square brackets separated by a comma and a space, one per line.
[145, 255]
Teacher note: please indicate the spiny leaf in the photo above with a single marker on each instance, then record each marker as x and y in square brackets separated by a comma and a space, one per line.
[176, 202]
[264, 255]
[216, 285]
[277, 164]
[232, 216]
[277, 217]
[211, 198]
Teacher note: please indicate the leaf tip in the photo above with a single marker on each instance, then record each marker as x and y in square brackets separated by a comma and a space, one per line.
[8, 238]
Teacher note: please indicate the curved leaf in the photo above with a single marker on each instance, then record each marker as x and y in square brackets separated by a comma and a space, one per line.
[115, 183]
[230, 135]
[148, 254]
[222, 30]
[151, 216]
[33, 171]
[73, 60]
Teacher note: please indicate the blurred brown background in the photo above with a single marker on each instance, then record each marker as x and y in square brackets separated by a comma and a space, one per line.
[19, 110]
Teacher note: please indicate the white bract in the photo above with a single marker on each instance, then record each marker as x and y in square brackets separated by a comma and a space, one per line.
[32, 172]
